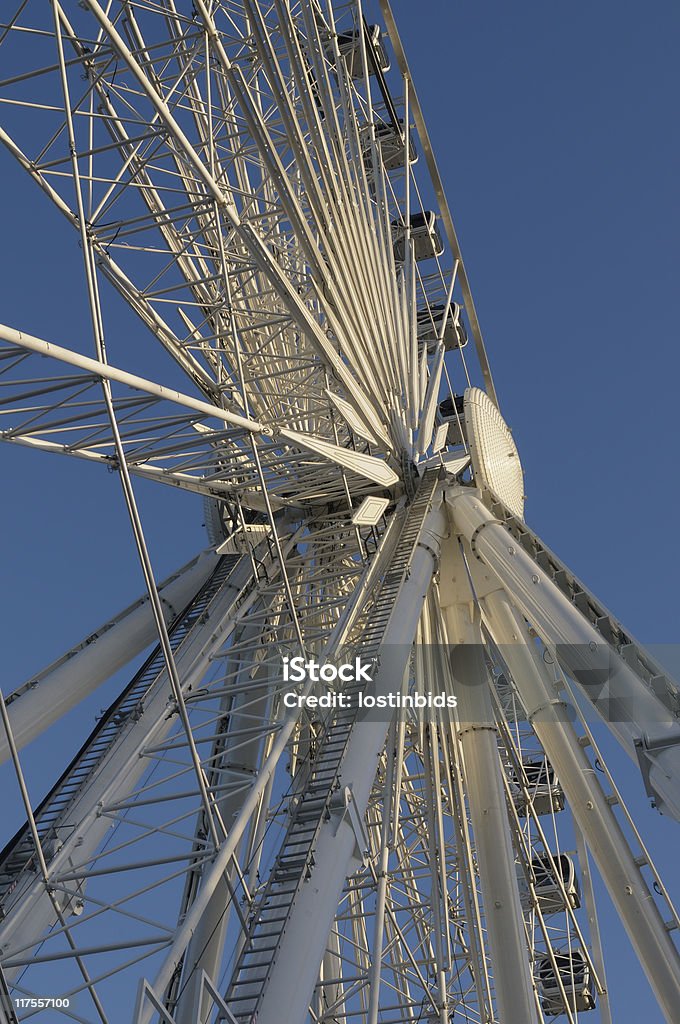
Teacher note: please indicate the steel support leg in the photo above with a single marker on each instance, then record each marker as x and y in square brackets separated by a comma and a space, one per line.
[54, 691]
[641, 722]
[513, 982]
[594, 815]
[337, 853]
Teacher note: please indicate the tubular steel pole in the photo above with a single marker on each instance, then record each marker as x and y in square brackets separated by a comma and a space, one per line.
[58, 688]
[639, 716]
[588, 802]
[105, 371]
[295, 970]
[478, 735]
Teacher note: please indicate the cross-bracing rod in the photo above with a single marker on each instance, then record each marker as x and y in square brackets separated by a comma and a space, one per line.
[105, 371]
[29, 912]
[241, 750]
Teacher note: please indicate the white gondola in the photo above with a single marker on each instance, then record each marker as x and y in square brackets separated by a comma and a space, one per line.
[390, 139]
[574, 974]
[546, 871]
[349, 45]
[544, 789]
[424, 236]
[429, 326]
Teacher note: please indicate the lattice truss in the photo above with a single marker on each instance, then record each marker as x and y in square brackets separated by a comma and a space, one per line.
[240, 174]
[128, 843]
[223, 171]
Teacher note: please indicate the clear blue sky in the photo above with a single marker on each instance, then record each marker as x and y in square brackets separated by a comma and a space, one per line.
[555, 131]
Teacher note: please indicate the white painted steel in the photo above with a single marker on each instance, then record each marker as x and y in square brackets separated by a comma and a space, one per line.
[622, 875]
[222, 169]
[107, 372]
[338, 850]
[639, 715]
[242, 753]
[430, 402]
[395, 39]
[30, 911]
[478, 735]
[364, 465]
[49, 694]
[213, 874]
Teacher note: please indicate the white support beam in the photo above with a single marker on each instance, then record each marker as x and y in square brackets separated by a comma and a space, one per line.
[638, 718]
[295, 970]
[478, 735]
[49, 694]
[594, 815]
[242, 749]
[104, 371]
[30, 912]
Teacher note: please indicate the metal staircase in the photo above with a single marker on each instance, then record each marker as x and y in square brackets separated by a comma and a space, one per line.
[19, 854]
[322, 795]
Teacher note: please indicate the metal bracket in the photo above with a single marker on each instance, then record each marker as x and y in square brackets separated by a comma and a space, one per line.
[343, 805]
[647, 748]
[147, 994]
[225, 1014]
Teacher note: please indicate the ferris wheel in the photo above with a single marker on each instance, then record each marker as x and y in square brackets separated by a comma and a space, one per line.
[352, 772]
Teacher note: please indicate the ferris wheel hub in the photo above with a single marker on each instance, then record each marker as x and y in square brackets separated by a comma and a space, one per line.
[495, 459]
